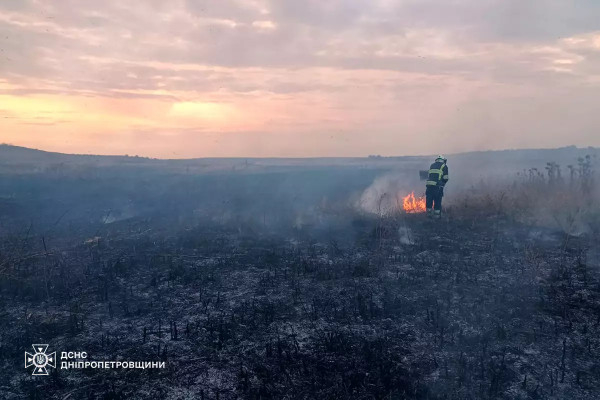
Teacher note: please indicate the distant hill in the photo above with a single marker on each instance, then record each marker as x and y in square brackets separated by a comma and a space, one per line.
[21, 156]
[10, 154]
[16, 156]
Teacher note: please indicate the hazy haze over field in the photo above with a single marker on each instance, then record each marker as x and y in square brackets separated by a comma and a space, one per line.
[286, 78]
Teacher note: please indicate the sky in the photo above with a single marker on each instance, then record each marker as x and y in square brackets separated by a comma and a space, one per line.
[287, 78]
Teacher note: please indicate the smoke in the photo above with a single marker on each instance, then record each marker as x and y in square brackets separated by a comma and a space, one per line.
[120, 213]
[384, 195]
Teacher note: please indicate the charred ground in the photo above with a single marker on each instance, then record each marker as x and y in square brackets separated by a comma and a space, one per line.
[342, 305]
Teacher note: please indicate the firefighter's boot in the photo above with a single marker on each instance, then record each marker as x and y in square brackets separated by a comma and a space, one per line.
[438, 214]
[430, 213]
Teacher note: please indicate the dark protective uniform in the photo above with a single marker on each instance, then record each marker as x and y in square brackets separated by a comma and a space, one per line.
[436, 180]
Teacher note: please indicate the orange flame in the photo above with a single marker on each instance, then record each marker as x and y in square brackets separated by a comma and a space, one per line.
[412, 204]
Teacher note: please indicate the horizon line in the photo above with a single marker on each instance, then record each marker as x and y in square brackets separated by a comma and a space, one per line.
[370, 156]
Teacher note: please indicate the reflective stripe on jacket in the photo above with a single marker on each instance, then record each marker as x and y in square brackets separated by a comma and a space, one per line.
[438, 174]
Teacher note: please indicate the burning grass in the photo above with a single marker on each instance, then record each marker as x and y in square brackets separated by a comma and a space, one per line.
[412, 204]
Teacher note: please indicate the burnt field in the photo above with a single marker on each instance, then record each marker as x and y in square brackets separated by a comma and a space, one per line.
[284, 290]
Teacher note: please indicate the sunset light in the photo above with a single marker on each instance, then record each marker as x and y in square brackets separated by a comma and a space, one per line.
[306, 81]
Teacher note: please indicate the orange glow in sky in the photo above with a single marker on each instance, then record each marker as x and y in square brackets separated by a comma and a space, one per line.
[273, 78]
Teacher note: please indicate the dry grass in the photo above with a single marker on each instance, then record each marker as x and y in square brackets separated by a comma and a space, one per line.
[562, 205]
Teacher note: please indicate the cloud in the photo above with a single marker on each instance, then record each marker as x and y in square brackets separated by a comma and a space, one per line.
[307, 69]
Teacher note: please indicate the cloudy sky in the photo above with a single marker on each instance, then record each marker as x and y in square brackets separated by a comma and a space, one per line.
[196, 78]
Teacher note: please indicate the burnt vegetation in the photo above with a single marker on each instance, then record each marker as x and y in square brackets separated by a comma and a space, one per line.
[489, 303]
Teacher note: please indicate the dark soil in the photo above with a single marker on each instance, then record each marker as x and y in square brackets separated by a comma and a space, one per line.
[471, 307]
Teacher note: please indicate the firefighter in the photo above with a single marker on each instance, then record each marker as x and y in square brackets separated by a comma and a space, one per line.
[436, 180]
